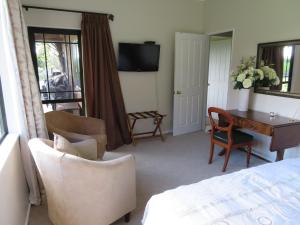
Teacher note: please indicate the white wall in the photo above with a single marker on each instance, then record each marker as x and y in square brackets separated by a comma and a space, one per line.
[135, 21]
[257, 21]
[13, 188]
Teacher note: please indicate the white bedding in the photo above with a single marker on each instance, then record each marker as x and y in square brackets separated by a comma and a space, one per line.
[267, 194]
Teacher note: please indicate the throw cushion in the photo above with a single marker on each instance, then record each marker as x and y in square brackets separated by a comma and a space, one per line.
[63, 145]
[87, 148]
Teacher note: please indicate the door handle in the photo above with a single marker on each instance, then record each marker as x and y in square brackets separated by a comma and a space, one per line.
[178, 92]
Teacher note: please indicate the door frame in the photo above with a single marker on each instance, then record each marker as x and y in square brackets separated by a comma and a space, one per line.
[231, 57]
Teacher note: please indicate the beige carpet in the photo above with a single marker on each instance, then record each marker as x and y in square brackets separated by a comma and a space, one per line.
[164, 165]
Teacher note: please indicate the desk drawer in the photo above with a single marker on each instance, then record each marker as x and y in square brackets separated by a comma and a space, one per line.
[254, 126]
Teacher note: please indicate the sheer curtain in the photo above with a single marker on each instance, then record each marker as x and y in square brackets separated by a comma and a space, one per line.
[21, 81]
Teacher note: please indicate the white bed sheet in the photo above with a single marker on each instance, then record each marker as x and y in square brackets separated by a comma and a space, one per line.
[263, 195]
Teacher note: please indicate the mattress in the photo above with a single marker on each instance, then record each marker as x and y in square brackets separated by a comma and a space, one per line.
[266, 195]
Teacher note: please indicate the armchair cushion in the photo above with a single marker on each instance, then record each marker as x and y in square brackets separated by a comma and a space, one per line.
[63, 145]
[86, 149]
[238, 137]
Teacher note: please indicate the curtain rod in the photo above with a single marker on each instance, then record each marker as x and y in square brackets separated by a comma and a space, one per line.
[26, 7]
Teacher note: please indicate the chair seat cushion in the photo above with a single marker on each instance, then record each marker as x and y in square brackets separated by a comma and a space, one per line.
[238, 137]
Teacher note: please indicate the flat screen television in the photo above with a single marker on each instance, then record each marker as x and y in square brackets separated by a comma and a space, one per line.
[138, 57]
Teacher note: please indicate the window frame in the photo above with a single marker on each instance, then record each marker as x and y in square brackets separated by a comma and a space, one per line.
[3, 114]
[31, 32]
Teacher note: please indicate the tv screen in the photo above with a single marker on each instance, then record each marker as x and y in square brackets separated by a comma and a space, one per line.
[138, 57]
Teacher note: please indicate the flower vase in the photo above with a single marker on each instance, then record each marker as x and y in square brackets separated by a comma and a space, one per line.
[244, 95]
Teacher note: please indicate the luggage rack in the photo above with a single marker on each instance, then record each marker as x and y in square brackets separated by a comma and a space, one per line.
[157, 119]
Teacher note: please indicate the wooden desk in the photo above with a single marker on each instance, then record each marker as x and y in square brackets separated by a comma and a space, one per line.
[285, 132]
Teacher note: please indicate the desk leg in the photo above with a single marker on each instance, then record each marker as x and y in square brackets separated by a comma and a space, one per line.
[280, 155]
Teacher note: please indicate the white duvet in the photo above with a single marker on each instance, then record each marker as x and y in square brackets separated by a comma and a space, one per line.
[266, 195]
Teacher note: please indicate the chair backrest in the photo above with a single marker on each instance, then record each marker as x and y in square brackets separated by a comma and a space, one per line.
[47, 160]
[61, 120]
[225, 117]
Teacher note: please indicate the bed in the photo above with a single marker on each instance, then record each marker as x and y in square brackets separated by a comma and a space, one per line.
[266, 195]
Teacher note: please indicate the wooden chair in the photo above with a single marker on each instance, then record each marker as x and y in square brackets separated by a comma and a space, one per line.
[227, 137]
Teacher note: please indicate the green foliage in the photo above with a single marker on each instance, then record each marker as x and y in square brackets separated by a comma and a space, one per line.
[52, 55]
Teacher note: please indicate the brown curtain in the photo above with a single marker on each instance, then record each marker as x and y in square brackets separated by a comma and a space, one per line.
[104, 97]
[274, 56]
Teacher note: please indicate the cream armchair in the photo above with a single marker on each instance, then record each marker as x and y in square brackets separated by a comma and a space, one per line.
[77, 128]
[84, 192]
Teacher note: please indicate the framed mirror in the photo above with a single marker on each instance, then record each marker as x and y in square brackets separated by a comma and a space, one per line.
[284, 58]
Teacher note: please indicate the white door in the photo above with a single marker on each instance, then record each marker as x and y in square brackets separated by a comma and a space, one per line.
[190, 82]
[218, 75]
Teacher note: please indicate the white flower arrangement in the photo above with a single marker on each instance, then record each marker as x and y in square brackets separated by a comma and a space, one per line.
[270, 77]
[247, 76]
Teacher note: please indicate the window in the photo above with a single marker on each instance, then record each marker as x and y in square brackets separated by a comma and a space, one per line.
[3, 125]
[287, 68]
[56, 57]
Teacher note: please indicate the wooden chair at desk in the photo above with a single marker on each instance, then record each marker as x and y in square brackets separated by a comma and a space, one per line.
[227, 137]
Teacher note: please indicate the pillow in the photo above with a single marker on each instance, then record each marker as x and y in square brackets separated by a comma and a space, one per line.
[86, 149]
[63, 145]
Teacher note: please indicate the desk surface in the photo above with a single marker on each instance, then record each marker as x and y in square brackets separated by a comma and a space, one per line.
[264, 118]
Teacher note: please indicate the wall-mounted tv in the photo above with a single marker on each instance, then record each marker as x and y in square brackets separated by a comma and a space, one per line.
[138, 57]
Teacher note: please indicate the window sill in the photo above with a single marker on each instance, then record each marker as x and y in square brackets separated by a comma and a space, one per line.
[6, 147]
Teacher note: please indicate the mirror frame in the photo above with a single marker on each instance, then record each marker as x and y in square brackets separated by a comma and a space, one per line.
[270, 92]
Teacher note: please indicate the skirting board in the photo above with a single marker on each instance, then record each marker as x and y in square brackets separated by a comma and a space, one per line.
[167, 131]
[261, 156]
[28, 214]
[207, 128]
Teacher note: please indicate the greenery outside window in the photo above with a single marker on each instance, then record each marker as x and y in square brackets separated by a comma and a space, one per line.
[56, 57]
[288, 52]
